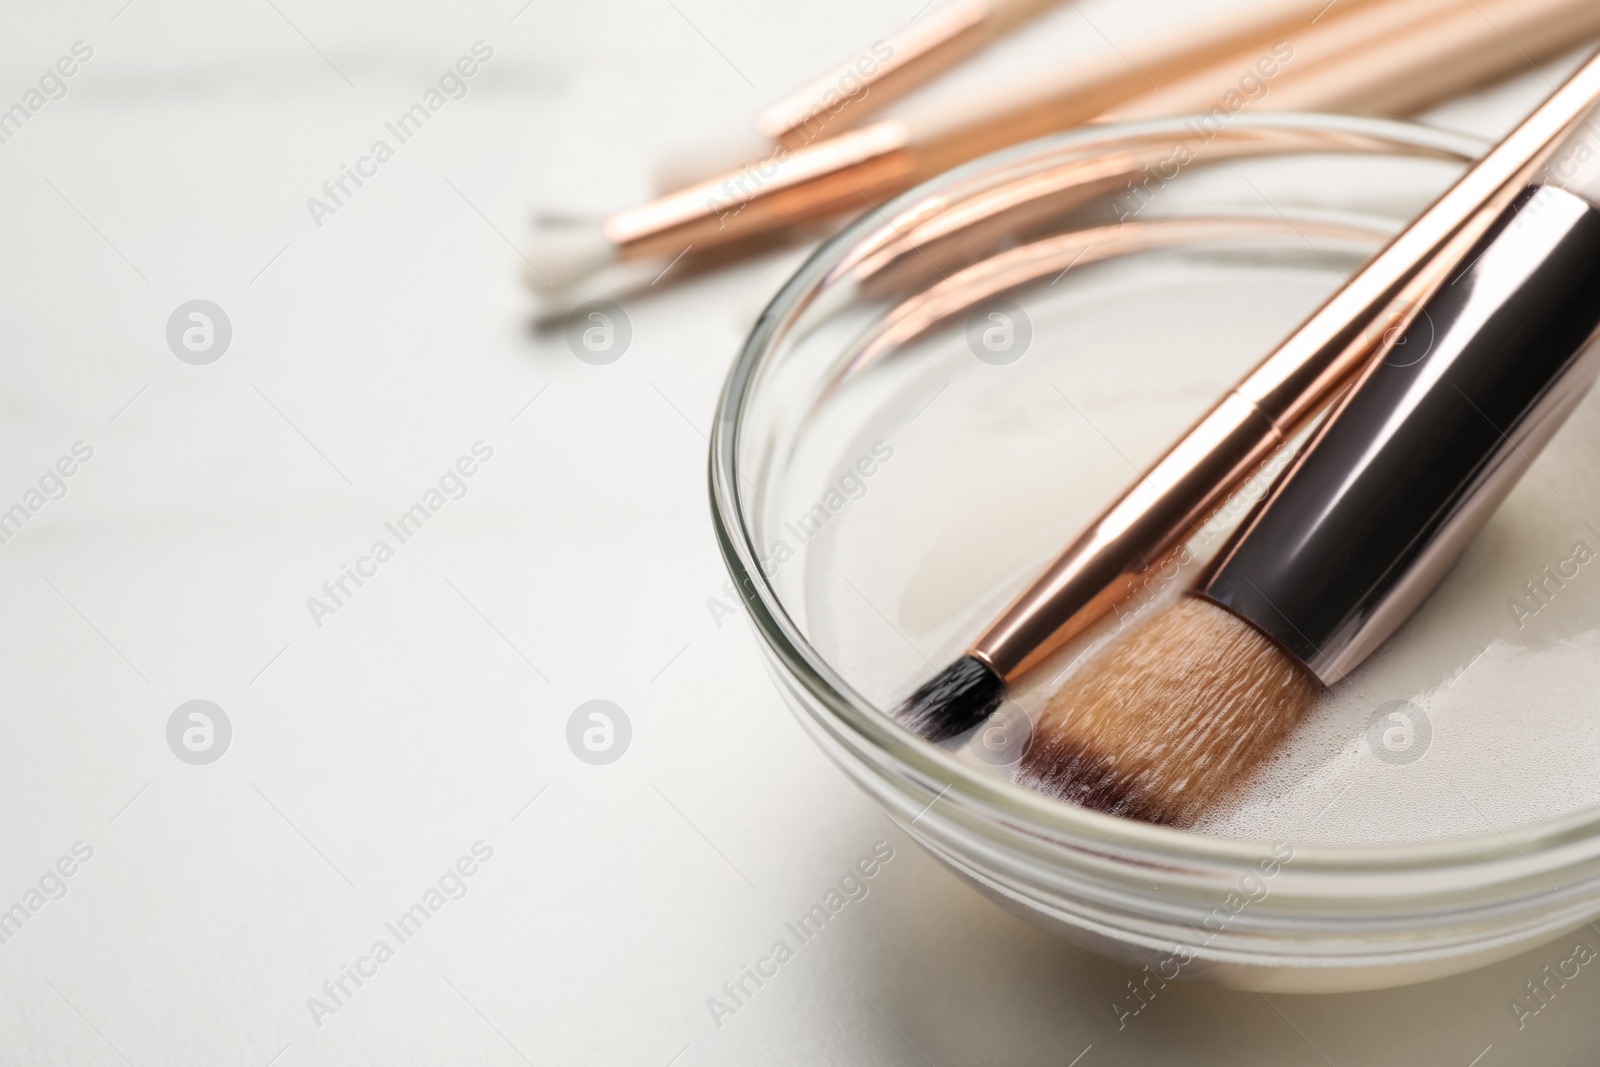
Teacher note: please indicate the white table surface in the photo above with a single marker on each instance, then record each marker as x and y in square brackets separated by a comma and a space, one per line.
[372, 751]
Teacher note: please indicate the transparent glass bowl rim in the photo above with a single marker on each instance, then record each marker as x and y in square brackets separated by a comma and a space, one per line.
[857, 723]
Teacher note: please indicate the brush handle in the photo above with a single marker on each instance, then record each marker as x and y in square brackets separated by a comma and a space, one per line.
[892, 67]
[1272, 404]
[1354, 63]
[863, 166]
[1427, 444]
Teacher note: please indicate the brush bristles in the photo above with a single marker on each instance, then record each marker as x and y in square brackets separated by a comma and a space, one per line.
[563, 257]
[953, 701]
[1168, 722]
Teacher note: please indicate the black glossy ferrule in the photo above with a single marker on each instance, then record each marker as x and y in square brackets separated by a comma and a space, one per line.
[1383, 499]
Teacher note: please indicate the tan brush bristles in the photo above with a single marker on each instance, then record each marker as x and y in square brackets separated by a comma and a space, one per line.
[1168, 721]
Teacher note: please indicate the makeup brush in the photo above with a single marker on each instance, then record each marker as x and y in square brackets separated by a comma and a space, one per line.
[844, 96]
[790, 187]
[1357, 533]
[1484, 41]
[1267, 409]
[930, 45]
[859, 168]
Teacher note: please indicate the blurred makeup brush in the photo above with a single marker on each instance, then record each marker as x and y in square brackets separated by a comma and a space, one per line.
[1358, 532]
[791, 187]
[1269, 407]
[1473, 44]
[861, 86]
[1210, 65]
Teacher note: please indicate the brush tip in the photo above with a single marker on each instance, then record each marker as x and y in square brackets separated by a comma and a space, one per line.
[953, 701]
[1168, 722]
[563, 257]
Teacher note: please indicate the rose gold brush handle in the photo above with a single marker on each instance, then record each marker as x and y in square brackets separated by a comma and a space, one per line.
[859, 167]
[844, 97]
[1353, 66]
[1271, 404]
[892, 67]
[1389, 59]
[1538, 28]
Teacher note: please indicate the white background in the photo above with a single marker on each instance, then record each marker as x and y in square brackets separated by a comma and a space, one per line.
[371, 752]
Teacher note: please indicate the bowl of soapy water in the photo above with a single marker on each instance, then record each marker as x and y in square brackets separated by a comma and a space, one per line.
[953, 386]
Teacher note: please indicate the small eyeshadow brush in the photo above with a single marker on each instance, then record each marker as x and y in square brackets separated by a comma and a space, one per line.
[1268, 408]
[1367, 520]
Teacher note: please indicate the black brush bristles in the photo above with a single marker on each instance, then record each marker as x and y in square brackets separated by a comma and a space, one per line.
[952, 701]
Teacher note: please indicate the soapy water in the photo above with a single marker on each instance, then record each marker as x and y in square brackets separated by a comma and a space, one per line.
[1481, 713]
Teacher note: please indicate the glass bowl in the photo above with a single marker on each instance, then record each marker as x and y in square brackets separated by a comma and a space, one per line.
[951, 387]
